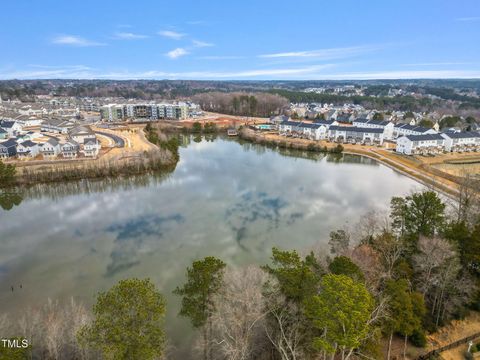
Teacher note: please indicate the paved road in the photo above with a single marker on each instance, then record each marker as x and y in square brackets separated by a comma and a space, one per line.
[119, 142]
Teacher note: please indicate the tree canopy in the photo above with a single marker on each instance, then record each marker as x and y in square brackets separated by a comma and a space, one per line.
[128, 322]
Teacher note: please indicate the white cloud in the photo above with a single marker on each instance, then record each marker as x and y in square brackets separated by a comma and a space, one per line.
[176, 53]
[171, 34]
[306, 73]
[153, 74]
[471, 18]
[197, 22]
[200, 44]
[323, 54]
[129, 36]
[51, 72]
[73, 40]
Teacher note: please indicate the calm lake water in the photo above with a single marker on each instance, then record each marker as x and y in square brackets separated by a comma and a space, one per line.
[227, 199]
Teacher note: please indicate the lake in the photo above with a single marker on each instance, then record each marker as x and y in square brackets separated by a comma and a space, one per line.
[228, 199]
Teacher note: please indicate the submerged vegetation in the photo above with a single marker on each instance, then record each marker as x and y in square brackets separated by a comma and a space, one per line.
[403, 278]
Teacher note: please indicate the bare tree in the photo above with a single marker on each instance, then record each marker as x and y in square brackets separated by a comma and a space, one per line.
[52, 329]
[440, 277]
[284, 328]
[467, 202]
[434, 252]
[239, 319]
[369, 261]
[390, 248]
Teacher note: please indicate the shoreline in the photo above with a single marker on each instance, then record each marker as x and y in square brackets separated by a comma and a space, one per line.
[428, 179]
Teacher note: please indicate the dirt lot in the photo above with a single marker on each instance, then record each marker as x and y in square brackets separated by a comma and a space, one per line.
[223, 121]
[135, 141]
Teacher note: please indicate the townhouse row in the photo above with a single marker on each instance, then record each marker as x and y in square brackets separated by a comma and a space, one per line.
[409, 139]
[80, 140]
[437, 143]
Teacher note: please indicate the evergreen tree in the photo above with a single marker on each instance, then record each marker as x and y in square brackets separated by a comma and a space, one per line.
[128, 322]
[204, 280]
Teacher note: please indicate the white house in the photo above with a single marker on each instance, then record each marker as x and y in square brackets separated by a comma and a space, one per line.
[313, 131]
[27, 149]
[91, 147]
[30, 121]
[289, 126]
[387, 126]
[427, 143]
[58, 126]
[407, 129]
[50, 148]
[11, 127]
[81, 134]
[324, 126]
[70, 149]
[355, 134]
[8, 148]
[461, 141]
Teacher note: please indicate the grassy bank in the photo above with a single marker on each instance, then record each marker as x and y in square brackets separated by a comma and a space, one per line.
[162, 158]
[132, 165]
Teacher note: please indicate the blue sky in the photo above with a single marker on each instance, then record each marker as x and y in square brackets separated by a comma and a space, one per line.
[220, 40]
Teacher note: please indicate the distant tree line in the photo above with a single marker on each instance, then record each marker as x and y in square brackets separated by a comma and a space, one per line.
[244, 104]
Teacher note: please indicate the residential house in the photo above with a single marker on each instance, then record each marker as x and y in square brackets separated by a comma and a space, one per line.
[28, 149]
[278, 119]
[407, 129]
[461, 141]
[57, 126]
[425, 143]
[70, 149]
[3, 134]
[387, 126]
[289, 126]
[355, 134]
[8, 148]
[91, 147]
[344, 118]
[81, 134]
[51, 148]
[324, 126]
[313, 131]
[11, 127]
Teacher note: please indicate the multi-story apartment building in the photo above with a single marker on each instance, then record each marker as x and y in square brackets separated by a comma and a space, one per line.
[118, 112]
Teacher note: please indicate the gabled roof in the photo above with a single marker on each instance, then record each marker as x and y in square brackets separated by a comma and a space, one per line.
[70, 143]
[91, 142]
[361, 120]
[462, 135]
[420, 129]
[52, 141]
[424, 137]
[356, 129]
[291, 123]
[9, 143]
[379, 122]
[81, 130]
[323, 122]
[7, 124]
[310, 125]
[2, 131]
[28, 143]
